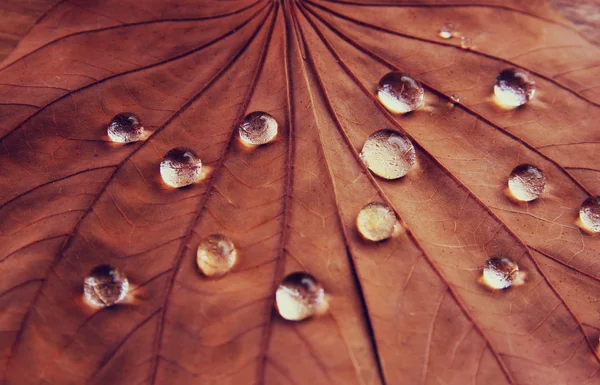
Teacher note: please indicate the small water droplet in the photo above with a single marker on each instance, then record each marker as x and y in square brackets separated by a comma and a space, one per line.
[589, 214]
[465, 42]
[455, 98]
[514, 87]
[376, 221]
[447, 31]
[216, 255]
[258, 128]
[105, 286]
[389, 154]
[400, 93]
[502, 273]
[300, 296]
[125, 127]
[180, 167]
[526, 182]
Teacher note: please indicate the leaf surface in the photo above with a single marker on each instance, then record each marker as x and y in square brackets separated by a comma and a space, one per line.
[410, 310]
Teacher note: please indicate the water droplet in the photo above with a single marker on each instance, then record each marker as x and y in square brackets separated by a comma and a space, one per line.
[502, 273]
[180, 167]
[376, 221]
[465, 42]
[455, 98]
[526, 182]
[105, 286]
[589, 214]
[258, 128]
[388, 154]
[447, 31]
[125, 127]
[400, 93]
[216, 255]
[300, 296]
[514, 87]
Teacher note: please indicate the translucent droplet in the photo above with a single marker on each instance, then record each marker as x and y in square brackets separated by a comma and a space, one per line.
[514, 87]
[465, 42]
[455, 98]
[388, 154]
[258, 128]
[526, 182]
[181, 167]
[376, 221]
[400, 93]
[300, 296]
[447, 31]
[125, 127]
[105, 286]
[502, 273]
[589, 214]
[216, 255]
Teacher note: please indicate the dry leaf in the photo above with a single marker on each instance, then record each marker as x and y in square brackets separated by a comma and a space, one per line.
[409, 310]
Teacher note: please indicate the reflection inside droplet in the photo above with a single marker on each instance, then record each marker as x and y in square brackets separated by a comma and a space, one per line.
[258, 128]
[514, 87]
[447, 31]
[300, 296]
[125, 127]
[181, 167]
[377, 221]
[400, 93]
[526, 182]
[388, 154]
[216, 255]
[105, 286]
[502, 273]
[589, 214]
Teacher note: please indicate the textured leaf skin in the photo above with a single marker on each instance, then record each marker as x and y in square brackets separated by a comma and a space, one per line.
[406, 311]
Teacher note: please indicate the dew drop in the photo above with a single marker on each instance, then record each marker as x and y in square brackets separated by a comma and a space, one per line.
[376, 221]
[180, 167]
[589, 214]
[389, 154]
[455, 98]
[125, 127]
[526, 182]
[447, 31]
[216, 255]
[466, 42]
[300, 296]
[502, 273]
[400, 93]
[514, 87]
[105, 286]
[258, 128]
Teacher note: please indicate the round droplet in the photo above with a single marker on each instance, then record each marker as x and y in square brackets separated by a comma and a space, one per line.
[125, 127]
[514, 87]
[376, 221]
[455, 98]
[526, 182]
[258, 128]
[216, 255]
[105, 286]
[589, 214]
[465, 42]
[299, 296]
[447, 31]
[502, 273]
[400, 93]
[181, 167]
[388, 154]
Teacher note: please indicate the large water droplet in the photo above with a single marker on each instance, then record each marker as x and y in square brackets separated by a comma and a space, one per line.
[447, 31]
[300, 296]
[526, 182]
[105, 286]
[181, 167]
[388, 154]
[589, 214]
[216, 255]
[399, 92]
[258, 128]
[125, 127]
[502, 273]
[466, 42]
[514, 87]
[376, 221]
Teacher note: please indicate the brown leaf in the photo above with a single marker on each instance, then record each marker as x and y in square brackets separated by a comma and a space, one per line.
[409, 310]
